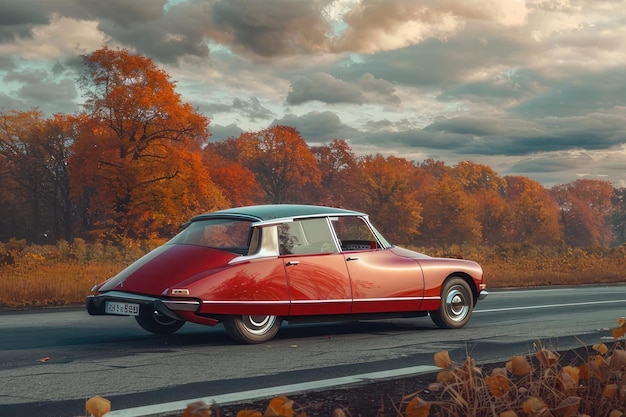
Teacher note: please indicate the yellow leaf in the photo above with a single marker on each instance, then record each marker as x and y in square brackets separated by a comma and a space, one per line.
[442, 359]
[573, 372]
[279, 406]
[600, 348]
[44, 359]
[618, 332]
[533, 405]
[518, 365]
[547, 358]
[498, 385]
[621, 321]
[417, 408]
[616, 413]
[508, 413]
[98, 406]
[446, 377]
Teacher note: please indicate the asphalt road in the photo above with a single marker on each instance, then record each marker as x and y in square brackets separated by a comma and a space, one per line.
[52, 360]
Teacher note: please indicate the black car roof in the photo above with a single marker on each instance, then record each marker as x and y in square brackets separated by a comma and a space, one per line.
[277, 211]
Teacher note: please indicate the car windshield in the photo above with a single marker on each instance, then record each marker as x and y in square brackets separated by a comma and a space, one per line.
[224, 234]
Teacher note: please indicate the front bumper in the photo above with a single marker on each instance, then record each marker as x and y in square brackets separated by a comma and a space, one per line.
[482, 295]
[96, 304]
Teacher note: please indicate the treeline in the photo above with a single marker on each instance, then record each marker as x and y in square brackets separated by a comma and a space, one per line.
[138, 162]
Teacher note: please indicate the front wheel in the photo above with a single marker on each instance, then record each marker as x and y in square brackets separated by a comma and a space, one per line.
[456, 307]
[252, 329]
[157, 323]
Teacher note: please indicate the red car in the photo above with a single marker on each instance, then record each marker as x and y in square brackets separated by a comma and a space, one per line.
[250, 268]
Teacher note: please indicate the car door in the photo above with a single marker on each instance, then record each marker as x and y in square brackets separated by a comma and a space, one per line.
[381, 281]
[317, 276]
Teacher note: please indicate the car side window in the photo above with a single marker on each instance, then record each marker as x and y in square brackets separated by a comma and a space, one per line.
[354, 234]
[306, 237]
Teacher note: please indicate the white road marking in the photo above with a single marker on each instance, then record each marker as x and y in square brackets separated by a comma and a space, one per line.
[270, 392]
[549, 306]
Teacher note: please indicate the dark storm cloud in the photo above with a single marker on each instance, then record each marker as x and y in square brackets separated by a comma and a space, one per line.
[253, 109]
[164, 36]
[325, 88]
[123, 12]
[328, 89]
[17, 19]
[578, 94]
[269, 28]
[49, 95]
[318, 127]
[484, 135]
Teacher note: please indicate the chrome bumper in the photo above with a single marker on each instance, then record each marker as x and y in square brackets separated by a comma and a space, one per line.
[482, 295]
[96, 304]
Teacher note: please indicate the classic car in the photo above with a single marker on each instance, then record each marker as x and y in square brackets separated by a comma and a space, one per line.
[252, 267]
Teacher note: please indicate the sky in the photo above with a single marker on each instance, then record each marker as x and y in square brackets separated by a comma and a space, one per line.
[535, 88]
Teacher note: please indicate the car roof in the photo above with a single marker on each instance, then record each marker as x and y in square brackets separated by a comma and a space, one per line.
[278, 211]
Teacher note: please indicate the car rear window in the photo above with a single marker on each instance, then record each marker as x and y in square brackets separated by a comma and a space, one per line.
[224, 234]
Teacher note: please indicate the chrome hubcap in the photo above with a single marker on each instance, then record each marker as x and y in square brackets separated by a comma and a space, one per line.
[457, 305]
[259, 324]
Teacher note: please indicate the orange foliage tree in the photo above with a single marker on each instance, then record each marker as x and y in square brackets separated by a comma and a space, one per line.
[586, 208]
[237, 182]
[449, 214]
[534, 216]
[282, 162]
[485, 189]
[137, 162]
[386, 189]
[338, 167]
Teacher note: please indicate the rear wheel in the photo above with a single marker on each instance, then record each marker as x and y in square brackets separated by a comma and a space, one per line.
[157, 323]
[252, 329]
[457, 302]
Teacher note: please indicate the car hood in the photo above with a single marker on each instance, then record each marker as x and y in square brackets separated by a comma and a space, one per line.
[167, 266]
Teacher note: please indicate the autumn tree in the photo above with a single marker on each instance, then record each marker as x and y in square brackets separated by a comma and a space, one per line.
[237, 182]
[448, 213]
[386, 190]
[34, 152]
[586, 207]
[138, 159]
[282, 162]
[338, 167]
[534, 216]
[485, 189]
[618, 218]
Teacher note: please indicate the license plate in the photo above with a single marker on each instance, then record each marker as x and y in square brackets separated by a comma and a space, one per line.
[122, 309]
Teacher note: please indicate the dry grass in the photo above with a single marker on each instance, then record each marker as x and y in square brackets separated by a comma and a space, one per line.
[34, 276]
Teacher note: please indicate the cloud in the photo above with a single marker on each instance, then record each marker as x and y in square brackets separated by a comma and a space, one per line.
[325, 88]
[219, 132]
[269, 28]
[318, 127]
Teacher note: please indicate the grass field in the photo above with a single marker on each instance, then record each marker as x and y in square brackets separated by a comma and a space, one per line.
[38, 276]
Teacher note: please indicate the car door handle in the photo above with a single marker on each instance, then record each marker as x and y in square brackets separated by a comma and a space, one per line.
[290, 263]
[352, 258]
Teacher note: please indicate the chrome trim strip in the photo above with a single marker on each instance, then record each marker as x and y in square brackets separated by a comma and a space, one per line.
[181, 305]
[245, 302]
[335, 300]
[290, 219]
